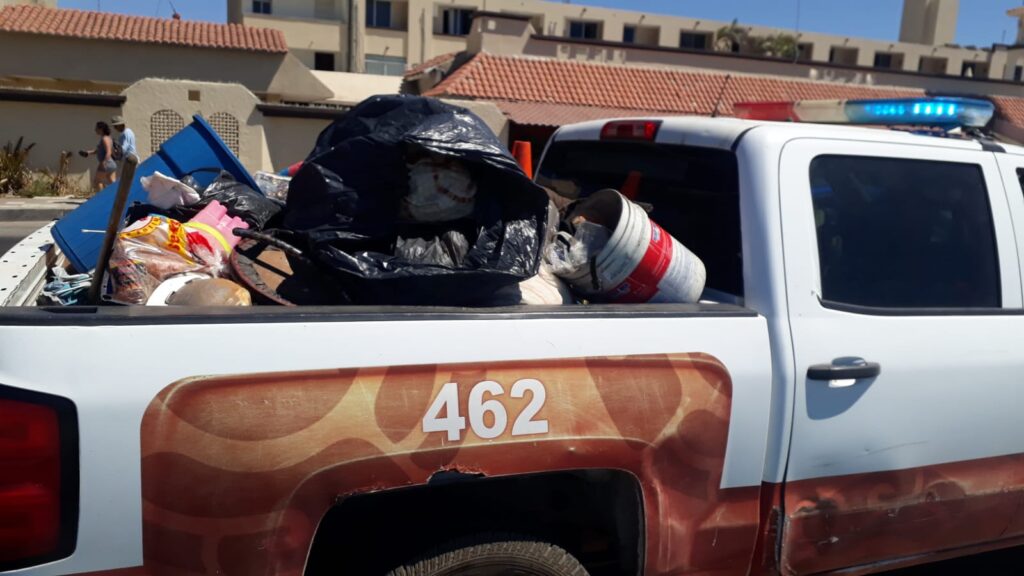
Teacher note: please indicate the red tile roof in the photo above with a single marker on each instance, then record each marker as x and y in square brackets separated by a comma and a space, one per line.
[435, 61]
[1010, 109]
[524, 79]
[107, 26]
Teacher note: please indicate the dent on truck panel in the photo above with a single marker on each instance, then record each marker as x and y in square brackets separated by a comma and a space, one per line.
[847, 521]
[237, 471]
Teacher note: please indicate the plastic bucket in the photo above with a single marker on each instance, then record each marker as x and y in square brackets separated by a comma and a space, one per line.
[641, 262]
[196, 147]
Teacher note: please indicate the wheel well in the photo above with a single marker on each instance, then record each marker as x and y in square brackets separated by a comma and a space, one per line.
[595, 515]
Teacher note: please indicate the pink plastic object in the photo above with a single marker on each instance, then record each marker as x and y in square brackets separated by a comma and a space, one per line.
[214, 223]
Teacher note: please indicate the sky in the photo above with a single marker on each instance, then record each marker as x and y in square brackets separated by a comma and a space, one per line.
[982, 22]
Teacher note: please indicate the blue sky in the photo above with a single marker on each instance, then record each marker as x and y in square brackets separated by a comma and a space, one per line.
[982, 22]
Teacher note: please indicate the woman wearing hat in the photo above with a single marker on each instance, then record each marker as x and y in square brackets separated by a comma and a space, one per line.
[106, 172]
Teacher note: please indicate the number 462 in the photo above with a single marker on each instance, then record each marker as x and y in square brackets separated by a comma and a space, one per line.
[453, 423]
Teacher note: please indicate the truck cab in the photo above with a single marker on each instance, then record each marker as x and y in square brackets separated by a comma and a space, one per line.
[842, 400]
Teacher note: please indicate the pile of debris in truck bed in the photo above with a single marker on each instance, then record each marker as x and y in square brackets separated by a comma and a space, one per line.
[403, 201]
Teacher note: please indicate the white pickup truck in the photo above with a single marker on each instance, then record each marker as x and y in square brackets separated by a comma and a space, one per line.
[850, 403]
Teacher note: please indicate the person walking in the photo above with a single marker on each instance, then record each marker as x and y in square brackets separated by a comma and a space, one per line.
[126, 140]
[106, 171]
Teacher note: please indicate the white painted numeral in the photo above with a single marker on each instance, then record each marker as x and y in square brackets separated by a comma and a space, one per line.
[452, 423]
[525, 425]
[478, 407]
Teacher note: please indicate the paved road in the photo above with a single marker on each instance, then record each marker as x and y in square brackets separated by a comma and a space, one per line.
[12, 232]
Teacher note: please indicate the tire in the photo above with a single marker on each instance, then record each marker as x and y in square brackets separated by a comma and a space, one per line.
[503, 558]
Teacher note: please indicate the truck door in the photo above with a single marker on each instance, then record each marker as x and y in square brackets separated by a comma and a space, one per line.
[904, 292]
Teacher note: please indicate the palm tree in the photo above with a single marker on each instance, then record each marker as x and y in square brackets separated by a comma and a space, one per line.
[732, 38]
[777, 46]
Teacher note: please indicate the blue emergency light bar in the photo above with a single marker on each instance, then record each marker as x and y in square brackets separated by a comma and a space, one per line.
[944, 112]
[917, 111]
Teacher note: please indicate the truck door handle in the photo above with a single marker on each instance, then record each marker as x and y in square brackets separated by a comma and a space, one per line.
[852, 371]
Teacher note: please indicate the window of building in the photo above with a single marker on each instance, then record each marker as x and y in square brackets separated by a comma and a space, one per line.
[901, 233]
[805, 52]
[584, 30]
[385, 65]
[932, 65]
[694, 40]
[641, 35]
[261, 6]
[378, 13]
[456, 21]
[323, 61]
[888, 61]
[974, 70]
[629, 34]
[843, 56]
[1018, 73]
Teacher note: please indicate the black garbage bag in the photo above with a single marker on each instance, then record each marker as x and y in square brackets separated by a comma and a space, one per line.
[242, 201]
[239, 199]
[345, 204]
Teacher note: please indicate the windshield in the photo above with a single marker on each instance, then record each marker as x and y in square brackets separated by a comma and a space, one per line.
[693, 193]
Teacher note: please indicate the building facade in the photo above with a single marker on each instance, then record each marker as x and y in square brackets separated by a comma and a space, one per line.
[390, 36]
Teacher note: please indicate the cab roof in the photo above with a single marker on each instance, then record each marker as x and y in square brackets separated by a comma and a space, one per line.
[724, 133]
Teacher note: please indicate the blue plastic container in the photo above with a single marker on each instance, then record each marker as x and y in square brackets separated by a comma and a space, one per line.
[196, 147]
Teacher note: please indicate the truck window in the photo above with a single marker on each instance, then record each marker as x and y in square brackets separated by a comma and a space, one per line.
[898, 233]
[694, 193]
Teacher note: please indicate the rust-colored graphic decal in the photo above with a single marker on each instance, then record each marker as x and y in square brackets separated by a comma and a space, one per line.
[237, 471]
[854, 520]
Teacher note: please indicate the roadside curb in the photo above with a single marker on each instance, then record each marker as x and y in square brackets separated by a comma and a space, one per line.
[36, 209]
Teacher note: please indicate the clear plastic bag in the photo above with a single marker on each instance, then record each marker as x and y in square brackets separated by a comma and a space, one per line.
[440, 190]
[166, 192]
[569, 254]
[151, 251]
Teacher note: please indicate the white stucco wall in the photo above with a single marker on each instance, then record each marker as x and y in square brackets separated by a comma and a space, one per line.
[147, 97]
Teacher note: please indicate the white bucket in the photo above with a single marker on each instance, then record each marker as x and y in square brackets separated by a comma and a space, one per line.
[641, 262]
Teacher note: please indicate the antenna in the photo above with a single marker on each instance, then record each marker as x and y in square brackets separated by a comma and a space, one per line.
[174, 10]
[721, 96]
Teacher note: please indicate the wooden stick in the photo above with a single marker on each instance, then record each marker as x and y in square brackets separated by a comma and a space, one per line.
[113, 225]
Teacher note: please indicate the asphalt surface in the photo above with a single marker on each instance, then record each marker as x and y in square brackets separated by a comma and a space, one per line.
[12, 232]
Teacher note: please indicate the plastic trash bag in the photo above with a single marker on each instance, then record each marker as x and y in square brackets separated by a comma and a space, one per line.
[345, 205]
[440, 190]
[272, 185]
[570, 253]
[240, 200]
[151, 251]
[449, 249]
[66, 289]
[166, 192]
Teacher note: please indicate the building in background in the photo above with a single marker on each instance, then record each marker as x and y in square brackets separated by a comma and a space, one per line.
[45, 3]
[64, 70]
[542, 82]
[391, 36]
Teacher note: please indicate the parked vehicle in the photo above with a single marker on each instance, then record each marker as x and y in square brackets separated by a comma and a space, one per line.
[846, 399]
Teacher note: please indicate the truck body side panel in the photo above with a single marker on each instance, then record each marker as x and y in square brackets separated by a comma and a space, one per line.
[857, 519]
[216, 447]
[926, 455]
[237, 471]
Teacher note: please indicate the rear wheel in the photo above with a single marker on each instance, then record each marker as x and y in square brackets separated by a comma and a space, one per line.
[502, 558]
